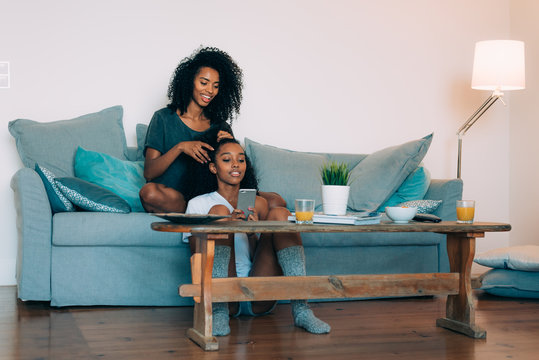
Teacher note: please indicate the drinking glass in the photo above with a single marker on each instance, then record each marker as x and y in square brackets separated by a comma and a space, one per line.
[465, 211]
[304, 211]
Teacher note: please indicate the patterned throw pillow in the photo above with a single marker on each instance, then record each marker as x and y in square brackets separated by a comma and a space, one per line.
[59, 203]
[423, 206]
[91, 197]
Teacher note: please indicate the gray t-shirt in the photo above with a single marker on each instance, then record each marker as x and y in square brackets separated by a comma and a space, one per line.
[166, 129]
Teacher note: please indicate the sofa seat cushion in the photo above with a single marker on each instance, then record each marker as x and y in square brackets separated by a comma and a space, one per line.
[109, 229]
[53, 144]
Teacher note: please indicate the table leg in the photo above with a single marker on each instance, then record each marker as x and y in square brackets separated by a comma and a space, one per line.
[460, 312]
[201, 332]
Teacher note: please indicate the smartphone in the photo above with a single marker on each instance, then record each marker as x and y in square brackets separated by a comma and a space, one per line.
[246, 200]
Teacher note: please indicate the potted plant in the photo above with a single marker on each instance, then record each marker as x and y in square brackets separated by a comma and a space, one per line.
[335, 187]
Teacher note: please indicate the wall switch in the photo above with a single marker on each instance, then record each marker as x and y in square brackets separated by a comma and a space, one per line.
[4, 74]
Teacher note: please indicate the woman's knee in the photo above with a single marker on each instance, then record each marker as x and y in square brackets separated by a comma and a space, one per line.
[219, 210]
[274, 200]
[278, 214]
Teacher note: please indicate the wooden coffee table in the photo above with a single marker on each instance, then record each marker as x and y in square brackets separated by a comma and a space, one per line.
[460, 314]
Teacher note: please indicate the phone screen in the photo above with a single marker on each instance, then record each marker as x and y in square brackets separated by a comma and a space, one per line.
[246, 199]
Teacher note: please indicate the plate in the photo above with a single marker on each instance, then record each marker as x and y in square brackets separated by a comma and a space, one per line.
[181, 218]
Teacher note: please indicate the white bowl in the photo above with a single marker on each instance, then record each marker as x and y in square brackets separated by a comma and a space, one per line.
[401, 215]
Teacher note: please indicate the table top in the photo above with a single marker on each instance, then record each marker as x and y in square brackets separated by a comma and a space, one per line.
[286, 226]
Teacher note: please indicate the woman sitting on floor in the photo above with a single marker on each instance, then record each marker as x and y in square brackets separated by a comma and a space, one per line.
[270, 255]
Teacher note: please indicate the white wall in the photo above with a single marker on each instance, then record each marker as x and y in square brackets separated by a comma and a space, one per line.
[347, 75]
[524, 147]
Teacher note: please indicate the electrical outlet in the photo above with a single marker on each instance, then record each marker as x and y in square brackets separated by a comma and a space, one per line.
[4, 74]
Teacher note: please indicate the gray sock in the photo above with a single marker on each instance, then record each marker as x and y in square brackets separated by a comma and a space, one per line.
[292, 261]
[220, 315]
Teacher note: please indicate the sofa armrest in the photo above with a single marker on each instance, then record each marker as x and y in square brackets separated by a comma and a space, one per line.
[449, 191]
[34, 232]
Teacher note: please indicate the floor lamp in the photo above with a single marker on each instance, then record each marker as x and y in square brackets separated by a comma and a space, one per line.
[498, 66]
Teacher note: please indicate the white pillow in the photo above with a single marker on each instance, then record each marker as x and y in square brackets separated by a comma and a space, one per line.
[524, 258]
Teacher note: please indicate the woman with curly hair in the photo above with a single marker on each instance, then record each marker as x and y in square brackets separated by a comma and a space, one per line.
[242, 255]
[205, 94]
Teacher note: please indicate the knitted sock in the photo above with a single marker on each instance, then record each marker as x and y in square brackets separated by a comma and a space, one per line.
[292, 261]
[221, 317]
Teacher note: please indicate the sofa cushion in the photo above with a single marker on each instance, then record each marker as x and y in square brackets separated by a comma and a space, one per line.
[381, 173]
[122, 177]
[91, 197]
[274, 167]
[141, 131]
[414, 187]
[53, 144]
[94, 229]
[511, 283]
[374, 177]
[523, 258]
[57, 200]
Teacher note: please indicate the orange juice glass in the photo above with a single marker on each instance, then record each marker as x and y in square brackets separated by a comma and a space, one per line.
[465, 211]
[304, 211]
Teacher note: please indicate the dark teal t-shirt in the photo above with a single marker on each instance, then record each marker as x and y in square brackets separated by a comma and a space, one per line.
[166, 129]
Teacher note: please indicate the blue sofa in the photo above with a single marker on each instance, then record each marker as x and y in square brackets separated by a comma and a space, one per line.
[103, 258]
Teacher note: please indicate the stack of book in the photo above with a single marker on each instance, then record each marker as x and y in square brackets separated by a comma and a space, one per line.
[357, 218]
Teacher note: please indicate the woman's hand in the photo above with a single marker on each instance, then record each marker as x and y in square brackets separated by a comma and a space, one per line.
[238, 214]
[253, 216]
[224, 135]
[196, 149]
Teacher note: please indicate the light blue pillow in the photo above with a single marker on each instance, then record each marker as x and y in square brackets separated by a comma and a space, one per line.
[53, 144]
[91, 197]
[381, 173]
[520, 257]
[141, 131]
[511, 283]
[122, 177]
[59, 203]
[291, 174]
[414, 187]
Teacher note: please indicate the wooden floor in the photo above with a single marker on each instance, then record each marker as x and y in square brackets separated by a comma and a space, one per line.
[374, 329]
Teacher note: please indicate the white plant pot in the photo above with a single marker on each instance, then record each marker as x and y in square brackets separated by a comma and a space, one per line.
[335, 199]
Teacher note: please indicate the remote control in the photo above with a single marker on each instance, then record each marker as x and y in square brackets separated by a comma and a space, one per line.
[427, 218]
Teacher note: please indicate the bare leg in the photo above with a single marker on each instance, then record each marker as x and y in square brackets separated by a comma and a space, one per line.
[160, 198]
[274, 200]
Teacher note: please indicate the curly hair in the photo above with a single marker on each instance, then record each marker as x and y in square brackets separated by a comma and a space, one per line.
[203, 181]
[226, 105]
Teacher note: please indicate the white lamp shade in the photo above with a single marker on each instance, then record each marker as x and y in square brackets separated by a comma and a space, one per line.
[499, 65]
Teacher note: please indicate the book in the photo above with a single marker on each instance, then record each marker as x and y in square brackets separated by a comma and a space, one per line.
[359, 218]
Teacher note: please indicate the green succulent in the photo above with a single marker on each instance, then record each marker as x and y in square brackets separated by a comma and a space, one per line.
[335, 173]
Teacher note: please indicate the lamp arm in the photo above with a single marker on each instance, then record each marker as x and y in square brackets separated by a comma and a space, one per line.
[469, 123]
[478, 113]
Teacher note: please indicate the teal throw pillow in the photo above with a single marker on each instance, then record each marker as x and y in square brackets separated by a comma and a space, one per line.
[122, 177]
[91, 197]
[58, 201]
[414, 187]
[53, 144]
[381, 173]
